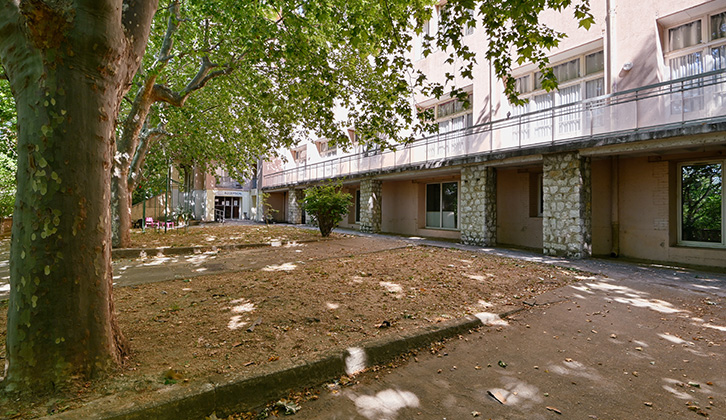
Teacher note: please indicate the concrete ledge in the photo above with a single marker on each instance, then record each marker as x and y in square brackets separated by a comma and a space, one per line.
[226, 396]
[198, 249]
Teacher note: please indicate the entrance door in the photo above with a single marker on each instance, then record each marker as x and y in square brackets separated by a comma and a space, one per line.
[227, 207]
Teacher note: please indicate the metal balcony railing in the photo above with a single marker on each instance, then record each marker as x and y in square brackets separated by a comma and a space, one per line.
[674, 103]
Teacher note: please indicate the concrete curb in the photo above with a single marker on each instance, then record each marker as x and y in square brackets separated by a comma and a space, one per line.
[196, 401]
[198, 249]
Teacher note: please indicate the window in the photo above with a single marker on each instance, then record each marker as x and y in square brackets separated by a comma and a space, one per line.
[701, 203]
[718, 26]
[579, 78]
[688, 54]
[594, 63]
[684, 36]
[454, 115]
[357, 206]
[695, 47]
[470, 28]
[299, 155]
[522, 84]
[326, 149]
[442, 201]
[424, 40]
[536, 194]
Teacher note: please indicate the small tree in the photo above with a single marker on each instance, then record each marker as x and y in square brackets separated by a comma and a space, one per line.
[326, 204]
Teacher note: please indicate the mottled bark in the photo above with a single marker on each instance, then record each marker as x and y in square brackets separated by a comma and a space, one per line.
[69, 65]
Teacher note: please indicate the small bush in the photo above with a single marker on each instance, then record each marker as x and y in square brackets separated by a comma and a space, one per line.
[326, 204]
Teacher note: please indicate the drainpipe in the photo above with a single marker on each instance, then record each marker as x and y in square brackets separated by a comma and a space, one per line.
[609, 33]
[615, 205]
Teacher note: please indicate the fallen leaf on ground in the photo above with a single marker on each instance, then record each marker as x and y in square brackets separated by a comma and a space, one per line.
[554, 410]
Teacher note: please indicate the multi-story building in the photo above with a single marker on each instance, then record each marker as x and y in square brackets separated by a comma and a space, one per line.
[626, 158]
[208, 197]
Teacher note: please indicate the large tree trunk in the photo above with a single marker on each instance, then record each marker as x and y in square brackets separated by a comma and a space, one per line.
[121, 206]
[68, 69]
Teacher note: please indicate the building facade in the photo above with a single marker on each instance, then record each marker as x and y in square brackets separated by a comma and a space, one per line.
[626, 158]
[208, 197]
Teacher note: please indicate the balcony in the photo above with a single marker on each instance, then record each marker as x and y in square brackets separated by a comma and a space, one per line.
[688, 101]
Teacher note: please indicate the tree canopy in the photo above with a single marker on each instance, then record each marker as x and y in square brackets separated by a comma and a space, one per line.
[270, 71]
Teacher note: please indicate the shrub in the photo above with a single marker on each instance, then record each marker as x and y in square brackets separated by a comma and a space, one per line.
[326, 204]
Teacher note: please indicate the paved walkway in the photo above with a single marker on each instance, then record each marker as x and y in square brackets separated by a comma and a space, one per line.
[634, 341]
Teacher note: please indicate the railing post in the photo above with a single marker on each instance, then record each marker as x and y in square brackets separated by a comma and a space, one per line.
[519, 132]
[637, 117]
[552, 123]
[683, 105]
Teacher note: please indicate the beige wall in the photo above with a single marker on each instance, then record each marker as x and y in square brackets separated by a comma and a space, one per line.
[648, 214]
[402, 208]
[515, 226]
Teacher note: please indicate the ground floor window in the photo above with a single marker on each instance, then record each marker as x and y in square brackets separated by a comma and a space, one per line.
[442, 202]
[536, 195]
[357, 206]
[701, 203]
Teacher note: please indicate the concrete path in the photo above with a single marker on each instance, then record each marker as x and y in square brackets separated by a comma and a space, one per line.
[634, 341]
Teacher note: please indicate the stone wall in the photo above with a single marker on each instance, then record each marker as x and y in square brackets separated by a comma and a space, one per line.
[478, 204]
[370, 205]
[567, 213]
[294, 206]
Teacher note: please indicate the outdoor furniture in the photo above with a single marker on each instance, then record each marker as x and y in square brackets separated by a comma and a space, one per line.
[151, 222]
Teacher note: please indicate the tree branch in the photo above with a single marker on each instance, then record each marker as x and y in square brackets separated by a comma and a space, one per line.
[203, 76]
[172, 25]
[16, 50]
[136, 19]
[146, 139]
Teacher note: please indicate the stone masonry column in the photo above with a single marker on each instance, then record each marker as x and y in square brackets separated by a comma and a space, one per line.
[370, 205]
[294, 206]
[567, 212]
[478, 203]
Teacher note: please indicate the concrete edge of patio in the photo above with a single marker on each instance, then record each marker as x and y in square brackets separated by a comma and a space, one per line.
[198, 249]
[196, 401]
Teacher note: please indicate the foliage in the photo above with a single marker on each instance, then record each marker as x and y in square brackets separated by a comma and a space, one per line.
[8, 150]
[278, 70]
[326, 204]
[7, 186]
[701, 194]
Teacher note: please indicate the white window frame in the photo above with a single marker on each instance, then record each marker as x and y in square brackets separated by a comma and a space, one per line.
[527, 87]
[699, 244]
[466, 113]
[326, 150]
[704, 47]
[441, 205]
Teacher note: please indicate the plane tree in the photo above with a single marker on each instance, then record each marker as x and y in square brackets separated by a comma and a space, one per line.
[285, 66]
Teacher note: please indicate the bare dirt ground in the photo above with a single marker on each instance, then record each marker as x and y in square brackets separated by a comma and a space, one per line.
[220, 235]
[194, 329]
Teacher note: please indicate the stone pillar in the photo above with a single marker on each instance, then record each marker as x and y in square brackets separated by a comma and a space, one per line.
[478, 203]
[294, 206]
[567, 213]
[370, 205]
